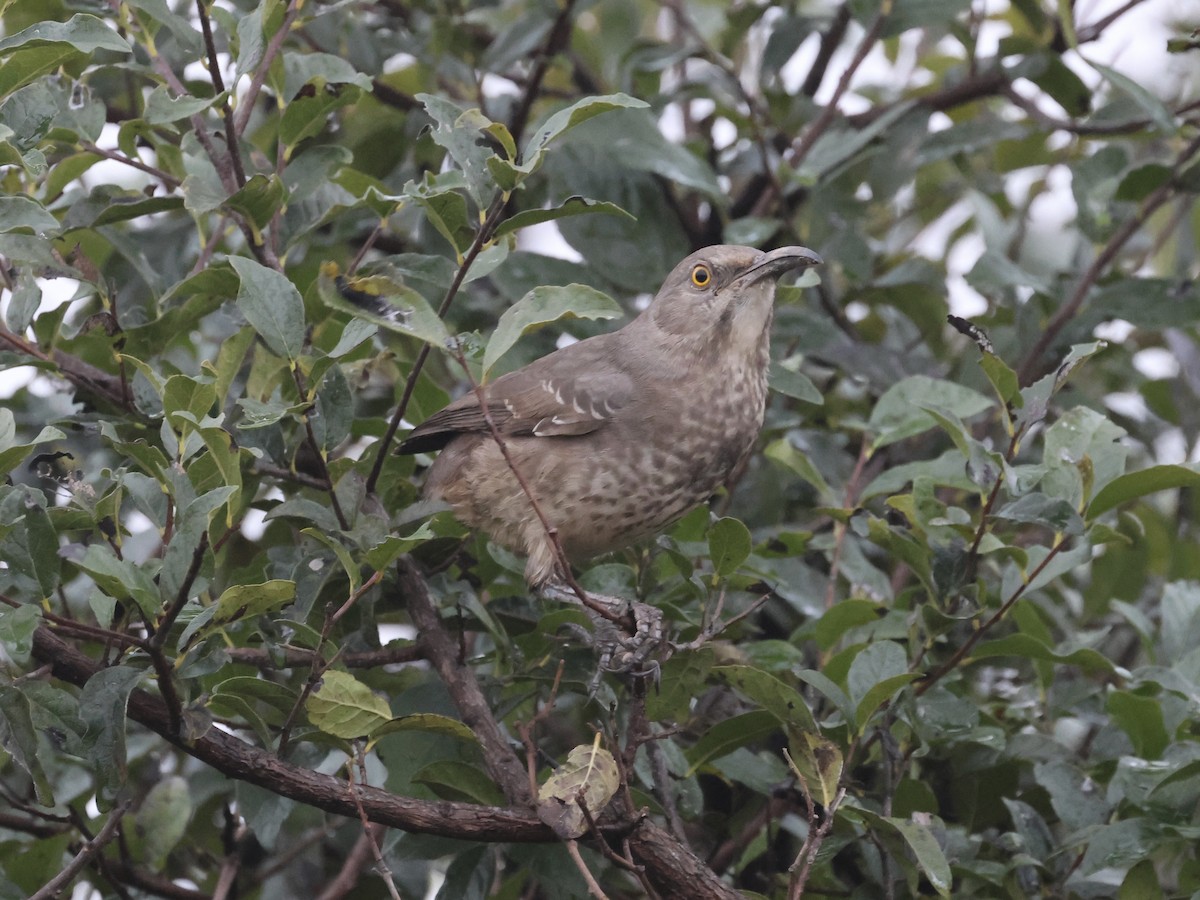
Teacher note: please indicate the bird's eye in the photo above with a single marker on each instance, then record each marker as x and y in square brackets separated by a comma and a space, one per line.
[701, 276]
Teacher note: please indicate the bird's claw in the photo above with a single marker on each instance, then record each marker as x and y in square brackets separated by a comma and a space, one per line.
[621, 652]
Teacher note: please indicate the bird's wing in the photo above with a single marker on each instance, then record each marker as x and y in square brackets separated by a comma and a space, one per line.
[552, 397]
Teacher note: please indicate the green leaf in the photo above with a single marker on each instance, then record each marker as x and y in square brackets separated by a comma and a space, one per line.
[1083, 452]
[460, 132]
[308, 114]
[430, 723]
[1141, 883]
[773, 695]
[826, 686]
[1138, 484]
[930, 858]
[1149, 104]
[729, 545]
[346, 708]
[158, 12]
[1003, 379]
[27, 215]
[459, 781]
[1049, 512]
[272, 305]
[793, 384]
[390, 548]
[17, 627]
[841, 617]
[1035, 399]
[1026, 646]
[898, 413]
[241, 601]
[566, 119]
[877, 672]
[784, 452]
[120, 578]
[87, 34]
[163, 819]
[102, 707]
[163, 109]
[259, 199]
[634, 138]
[572, 206]
[1142, 719]
[542, 306]
[727, 736]
[190, 396]
[19, 739]
[109, 204]
[820, 763]
[343, 555]
[1119, 845]
[590, 774]
[385, 302]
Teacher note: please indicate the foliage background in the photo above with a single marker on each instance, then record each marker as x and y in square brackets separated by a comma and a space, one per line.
[977, 550]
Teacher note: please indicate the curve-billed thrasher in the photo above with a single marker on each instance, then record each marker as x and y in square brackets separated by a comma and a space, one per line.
[618, 435]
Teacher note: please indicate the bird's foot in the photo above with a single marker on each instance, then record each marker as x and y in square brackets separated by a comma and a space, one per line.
[627, 634]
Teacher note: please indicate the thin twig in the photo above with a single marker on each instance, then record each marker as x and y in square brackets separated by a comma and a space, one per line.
[319, 665]
[563, 564]
[808, 138]
[977, 635]
[214, 72]
[59, 882]
[318, 454]
[370, 831]
[1091, 32]
[274, 45]
[849, 500]
[488, 227]
[525, 729]
[812, 844]
[558, 37]
[166, 178]
[593, 887]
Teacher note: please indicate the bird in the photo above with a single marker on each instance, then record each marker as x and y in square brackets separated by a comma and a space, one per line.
[619, 435]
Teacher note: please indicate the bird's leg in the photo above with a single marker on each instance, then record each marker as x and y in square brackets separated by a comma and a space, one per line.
[626, 638]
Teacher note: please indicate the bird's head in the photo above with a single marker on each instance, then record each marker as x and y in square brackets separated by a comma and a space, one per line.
[724, 291]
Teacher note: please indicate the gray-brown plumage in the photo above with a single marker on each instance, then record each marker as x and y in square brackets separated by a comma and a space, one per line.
[619, 435]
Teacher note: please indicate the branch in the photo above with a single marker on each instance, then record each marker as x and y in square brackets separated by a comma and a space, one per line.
[989, 82]
[442, 651]
[1089, 33]
[669, 865]
[235, 758]
[297, 657]
[804, 143]
[1031, 364]
[830, 41]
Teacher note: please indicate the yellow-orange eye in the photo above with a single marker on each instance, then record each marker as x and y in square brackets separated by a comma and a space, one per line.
[701, 276]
